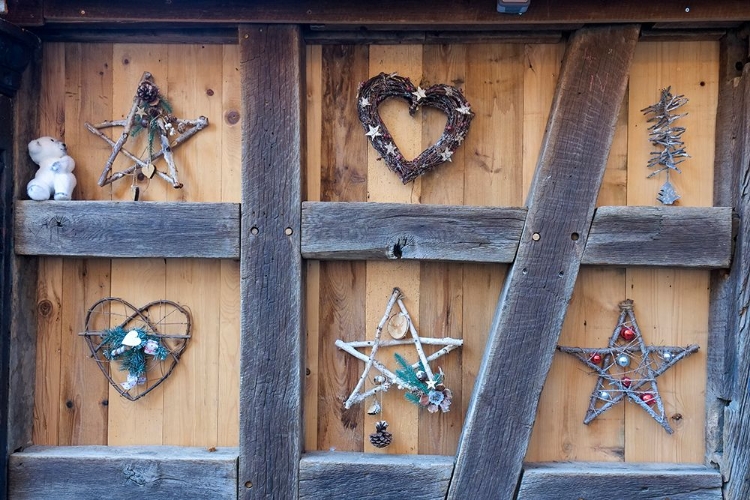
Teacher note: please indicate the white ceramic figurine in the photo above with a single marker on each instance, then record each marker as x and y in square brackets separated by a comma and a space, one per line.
[54, 177]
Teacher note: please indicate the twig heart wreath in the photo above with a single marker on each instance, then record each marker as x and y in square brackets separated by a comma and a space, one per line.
[145, 342]
[447, 99]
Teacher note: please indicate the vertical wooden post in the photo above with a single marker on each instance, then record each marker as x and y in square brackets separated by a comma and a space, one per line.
[540, 283]
[271, 370]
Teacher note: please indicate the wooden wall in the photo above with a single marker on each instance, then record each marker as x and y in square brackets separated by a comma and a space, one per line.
[198, 404]
[510, 88]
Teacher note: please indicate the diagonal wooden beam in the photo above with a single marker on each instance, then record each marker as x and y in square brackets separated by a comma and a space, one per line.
[272, 350]
[540, 283]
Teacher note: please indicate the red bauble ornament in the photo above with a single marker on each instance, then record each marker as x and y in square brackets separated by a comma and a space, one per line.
[648, 398]
[626, 382]
[596, 358]
[627, 333]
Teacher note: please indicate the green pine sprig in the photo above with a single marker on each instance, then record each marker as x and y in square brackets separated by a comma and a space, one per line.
[134, 358]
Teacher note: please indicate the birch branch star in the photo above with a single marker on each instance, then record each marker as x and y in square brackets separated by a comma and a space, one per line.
[628, 368]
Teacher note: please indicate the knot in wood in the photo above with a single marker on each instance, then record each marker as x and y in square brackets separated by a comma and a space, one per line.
[45, 307]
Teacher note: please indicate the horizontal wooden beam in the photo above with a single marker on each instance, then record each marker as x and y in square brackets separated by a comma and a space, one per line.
[664, 236]
[398, 12]
[127, 229]
[373, 476]
[631, 481]
[122, 472]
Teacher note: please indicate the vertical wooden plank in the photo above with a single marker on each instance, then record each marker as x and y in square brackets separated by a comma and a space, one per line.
[558, 431]
[567, 182]
[191, 394]
[672, 305]
[341, 313]
[84, 392]
[441, 285]
[314, 83]
[231, 180]
[383, 185]
[6, 254]
[138, 281]
[49, 291]
[272, 71]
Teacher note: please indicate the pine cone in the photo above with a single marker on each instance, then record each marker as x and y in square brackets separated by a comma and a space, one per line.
[381, 438]
[147, 91]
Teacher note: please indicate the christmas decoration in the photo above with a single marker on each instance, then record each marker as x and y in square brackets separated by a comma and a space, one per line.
[145, 342]
[152, 113]
[629, 369]
[381, 438]
[448, 99]
[417, 379]
[668, 138]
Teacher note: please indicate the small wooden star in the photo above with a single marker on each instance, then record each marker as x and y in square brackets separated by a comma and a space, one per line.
[364, 102]
[373, 132]
[448, 344]
[420, 94]
[390, 148]
[446, 155]
[627, 367]
[464, 110]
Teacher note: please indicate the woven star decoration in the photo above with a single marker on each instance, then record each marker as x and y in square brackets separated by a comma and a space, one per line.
[423, 385]
[628, 368]
[150, 112]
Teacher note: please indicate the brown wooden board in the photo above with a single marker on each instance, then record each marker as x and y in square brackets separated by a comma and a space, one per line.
[539, 285]
[342, 475]
[144, 229]
[6, 197]
[396, 12]
[272, 347]
[123, 473]
[619, 481]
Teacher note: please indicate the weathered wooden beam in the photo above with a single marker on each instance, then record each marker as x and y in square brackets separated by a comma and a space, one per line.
[397, 12]
[539, 285]
[272, 348]
[128, 229]
[664, 236]
[391, 37]
[625, 481]
[341, 475]
[143, 32]
[735, 465]
[6, 255]
[721, 353]
[122, 472]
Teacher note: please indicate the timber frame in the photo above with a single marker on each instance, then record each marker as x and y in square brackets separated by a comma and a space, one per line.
[279, 230]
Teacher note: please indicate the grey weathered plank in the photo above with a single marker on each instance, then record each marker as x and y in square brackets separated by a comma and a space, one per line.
[345, 475]
[660, 236]
[400, 231]
[122, 473]
[539, 285]
[663, 236]
[735, 465]
[619, 481]
[128, 229]
[721, 353]
[6, 255]
[272, 349]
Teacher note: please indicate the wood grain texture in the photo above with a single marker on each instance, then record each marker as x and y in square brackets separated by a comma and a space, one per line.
[632, 481]
[272, 348]
[341, 309]
[121, 473]
[567, 182]
[736, 436]
[84, 229]
[443, 12]
[6, 254]
[663, 236]
[340, 475]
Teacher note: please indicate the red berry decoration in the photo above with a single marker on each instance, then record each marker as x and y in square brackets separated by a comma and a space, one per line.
[627, 333]
[648, 398]
[626, 382]
[596, 358]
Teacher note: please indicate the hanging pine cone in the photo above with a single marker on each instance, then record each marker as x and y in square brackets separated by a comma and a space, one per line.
[381, 438]
[147, 91]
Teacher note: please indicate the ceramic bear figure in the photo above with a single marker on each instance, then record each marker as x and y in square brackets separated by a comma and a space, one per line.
[54, 179]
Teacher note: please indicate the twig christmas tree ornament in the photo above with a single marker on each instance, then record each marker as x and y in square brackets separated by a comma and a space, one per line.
[628, 368]
[447, 99]
[145, 343]
[152, 113]
[668, 139]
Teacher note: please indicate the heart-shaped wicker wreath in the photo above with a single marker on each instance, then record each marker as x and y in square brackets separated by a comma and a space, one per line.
[448, 99]
[145, 342]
